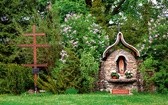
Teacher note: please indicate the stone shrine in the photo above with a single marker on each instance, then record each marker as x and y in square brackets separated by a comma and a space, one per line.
[120, 63]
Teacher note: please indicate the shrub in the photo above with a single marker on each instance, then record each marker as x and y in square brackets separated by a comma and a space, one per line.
[14, 79]
[161, 78]
[65, 75]
[89, 69]
[148, 79]
[157, 47]
[71, 91]
[82, 33]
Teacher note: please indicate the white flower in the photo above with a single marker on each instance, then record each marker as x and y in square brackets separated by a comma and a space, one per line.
[150, 38]
[140, 4]
[111, 22]
[106, 37]
[74, 32]
[164, 36]
[113, 71]
[156, 35]
[120, 13]
[128, 71]
[63, 54]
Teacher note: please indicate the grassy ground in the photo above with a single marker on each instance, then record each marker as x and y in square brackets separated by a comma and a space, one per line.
[84, 99]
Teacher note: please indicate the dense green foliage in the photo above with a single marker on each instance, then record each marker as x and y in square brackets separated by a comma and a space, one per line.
[77, 68]
[14, 79]
[12, 12]
[65, 7]
[89, 71]
[156, 47]
[70, 72]
[65, 75]
[83, 34]
[51, 27]
[78, 31]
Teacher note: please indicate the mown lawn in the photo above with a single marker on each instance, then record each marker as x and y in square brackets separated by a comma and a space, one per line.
[84, 99]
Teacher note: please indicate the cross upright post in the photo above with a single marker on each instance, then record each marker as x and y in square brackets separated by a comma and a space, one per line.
[35, 65]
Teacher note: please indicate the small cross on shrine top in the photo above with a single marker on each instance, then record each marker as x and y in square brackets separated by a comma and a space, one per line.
[119, 27]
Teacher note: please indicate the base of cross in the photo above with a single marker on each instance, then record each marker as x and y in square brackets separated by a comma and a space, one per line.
[35, 72]
[32, 91]
[120, 91]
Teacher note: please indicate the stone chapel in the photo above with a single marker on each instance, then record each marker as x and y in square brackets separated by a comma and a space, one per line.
[122, 61]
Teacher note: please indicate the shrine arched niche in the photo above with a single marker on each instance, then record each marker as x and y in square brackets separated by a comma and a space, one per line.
[121, 64]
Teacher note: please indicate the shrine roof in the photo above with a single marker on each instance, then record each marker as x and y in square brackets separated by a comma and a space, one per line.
[119, 39]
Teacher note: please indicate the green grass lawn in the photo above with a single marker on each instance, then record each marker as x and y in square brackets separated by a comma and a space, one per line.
[84, 99]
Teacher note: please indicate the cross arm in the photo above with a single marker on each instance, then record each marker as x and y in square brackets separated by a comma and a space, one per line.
[35, 65]
[36, 34]
[31, 45]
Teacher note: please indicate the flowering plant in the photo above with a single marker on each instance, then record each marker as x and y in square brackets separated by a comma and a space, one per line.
[129, 74]
[83, 34]
[115, 75]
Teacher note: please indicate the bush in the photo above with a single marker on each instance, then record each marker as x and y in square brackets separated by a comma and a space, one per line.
[157, 47]
[161, 78]
[147, 69]
[14, 79]
[82, 33]
[71, 91]
[89, 69]
[65, 75]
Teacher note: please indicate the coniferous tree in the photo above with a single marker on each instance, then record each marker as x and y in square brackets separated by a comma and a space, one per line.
[12, 11]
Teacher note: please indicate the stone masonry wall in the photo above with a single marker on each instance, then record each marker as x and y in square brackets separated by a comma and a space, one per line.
[110, 65]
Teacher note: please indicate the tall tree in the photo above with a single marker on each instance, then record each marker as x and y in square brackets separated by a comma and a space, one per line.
[155, 44]
[19, 11]
[117, 16]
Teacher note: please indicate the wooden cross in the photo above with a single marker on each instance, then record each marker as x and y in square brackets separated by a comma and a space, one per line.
[34, 45]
